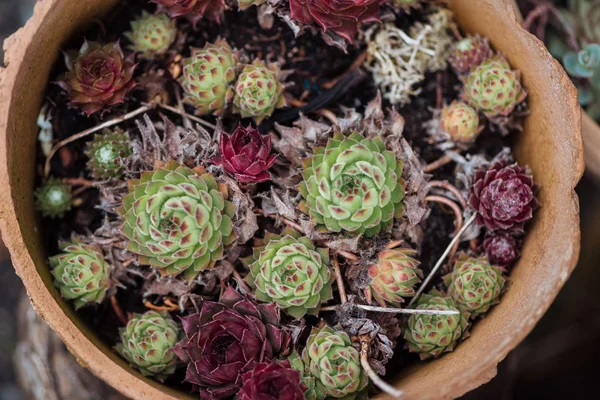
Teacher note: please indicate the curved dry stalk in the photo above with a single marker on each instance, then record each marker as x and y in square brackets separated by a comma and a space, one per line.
[439, 163]
[451, 188]
[89, 131]
[118, 310]
[380, 383]
[457, 215]
[339, 280]
[186, 115]
[442, 258]
[329, 115]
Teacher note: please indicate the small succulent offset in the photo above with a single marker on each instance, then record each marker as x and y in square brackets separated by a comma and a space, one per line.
[394, 276]
[353, 185]
[258, 91]
[177, 219]
[106, 153]
[195, 10]
[152, 34]
[271, 380]
[98, 77]
[585, 65]
[474, 285]
[246, 154]
[461, 122]
[501, 248]
[305, 376]
[147, 342]
[225, 340]
[208, 76]
[80, 273]
[291, 272]
[341, 17]
[430, 335]
[503, 196]
[494, 88]
[53, 198]
[335, 364]
[468, 53]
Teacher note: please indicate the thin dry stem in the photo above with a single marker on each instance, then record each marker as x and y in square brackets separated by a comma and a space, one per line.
[339, 279]
[451, 188]
[391, 310]
[439, 163]
[89, 131]
[442, 258]
[151, 306]
[186, 115]
[329, 115]
[118, 310]
[457, 215]
[380, 383]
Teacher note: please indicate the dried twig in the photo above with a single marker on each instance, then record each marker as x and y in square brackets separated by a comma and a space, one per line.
[451, 188]
[118, 310]
[439, 163]
[457, 215]
[391, 310]
[442, 258]
[186, 115]
[339, 279]
[329, 115]
[169, 308]
[89, 131]
[364, 361]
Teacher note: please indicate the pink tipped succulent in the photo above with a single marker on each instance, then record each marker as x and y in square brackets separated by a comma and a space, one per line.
[194, 9]
[340, 16]
[501, 248]
[98, 77]
[468, 53]
[503, 196]
[246, 154]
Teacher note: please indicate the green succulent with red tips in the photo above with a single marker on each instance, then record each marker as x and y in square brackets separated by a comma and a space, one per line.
[394, 276]
[291, 272]
[305, 377]
[353, 185]
[80, 272]
[474, 284]
[147, 342]
[177, 220]
[430, 335]
[106, 153]
[334, 363]
[152, 34]
[208, 77]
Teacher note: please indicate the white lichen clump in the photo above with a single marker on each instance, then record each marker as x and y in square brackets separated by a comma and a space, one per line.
[398, 61]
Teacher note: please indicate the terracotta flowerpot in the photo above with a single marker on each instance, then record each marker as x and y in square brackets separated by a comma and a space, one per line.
[550, 144]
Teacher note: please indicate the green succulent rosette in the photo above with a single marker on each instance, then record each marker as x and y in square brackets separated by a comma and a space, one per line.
[152, 34]
[475, 285]
[208, 77]
[430, 335]
[53, 198]
[258, 91]
[106, 153]
[353, 185]
[291, 272]
[334, 363]
[494, 88]
[305, 377]
[147, 342]
[80, 273]
[394, 276]
[177, 220]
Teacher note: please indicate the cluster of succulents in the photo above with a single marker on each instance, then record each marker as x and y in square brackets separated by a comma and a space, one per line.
[343, 214]
[575, 41]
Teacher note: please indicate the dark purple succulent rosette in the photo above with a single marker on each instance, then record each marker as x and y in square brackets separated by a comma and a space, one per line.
[501, 248]
[226, 339]
[246, 154]
[503, 196]
[272, 381]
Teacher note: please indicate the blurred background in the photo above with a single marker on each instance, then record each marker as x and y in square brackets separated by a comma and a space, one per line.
[559, 359]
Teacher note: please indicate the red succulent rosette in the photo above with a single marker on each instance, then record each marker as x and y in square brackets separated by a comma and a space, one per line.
[226, 339]
[340, 16]
[98, 76]
[503, 196]
[195, 9]
[501, 248]
[246, 154]
[272, 381]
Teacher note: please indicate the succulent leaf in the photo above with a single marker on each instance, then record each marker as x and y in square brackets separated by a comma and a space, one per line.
[353, 185]
[461, 122]
[53, 198]
[177, 219]
[270, 380]
[394, 276]
[106, 153]
[80, 273]
[152, 34]
[468, 53]
[147, 342]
